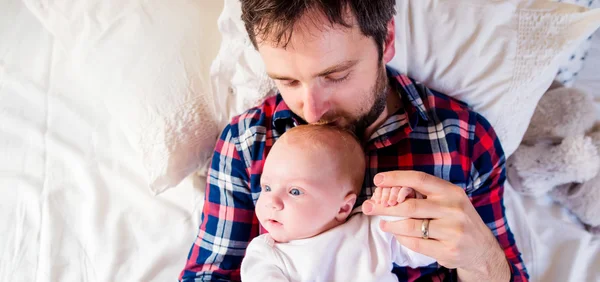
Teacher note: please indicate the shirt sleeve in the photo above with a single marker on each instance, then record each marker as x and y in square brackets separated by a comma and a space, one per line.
[228, 220]
[488, 175]
[261, 263]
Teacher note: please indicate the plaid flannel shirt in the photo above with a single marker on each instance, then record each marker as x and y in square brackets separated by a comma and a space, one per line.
[432, 133]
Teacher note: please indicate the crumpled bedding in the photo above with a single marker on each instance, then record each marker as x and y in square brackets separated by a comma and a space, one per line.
[74, 198]
[74, 203]
[554, 245]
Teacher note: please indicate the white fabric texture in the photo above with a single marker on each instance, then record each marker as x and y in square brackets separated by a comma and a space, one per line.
[589, 76]
[74, 200]
[554, 244]
[498, 56]
[355, 251]
[555, 247]
[238, 76]
[143, 58]
[569, 69]
[74, 205]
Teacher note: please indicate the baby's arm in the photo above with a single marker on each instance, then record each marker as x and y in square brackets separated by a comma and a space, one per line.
[393, 196]
[260, 262]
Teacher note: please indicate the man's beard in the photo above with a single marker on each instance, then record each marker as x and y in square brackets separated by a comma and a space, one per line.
[359, 125]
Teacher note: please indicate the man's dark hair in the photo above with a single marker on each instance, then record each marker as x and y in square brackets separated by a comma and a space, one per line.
[275, 19]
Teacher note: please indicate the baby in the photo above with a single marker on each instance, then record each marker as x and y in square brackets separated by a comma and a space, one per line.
[310, 182]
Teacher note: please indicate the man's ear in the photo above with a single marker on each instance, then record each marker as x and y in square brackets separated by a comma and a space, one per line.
[389, 46]
[346, 207]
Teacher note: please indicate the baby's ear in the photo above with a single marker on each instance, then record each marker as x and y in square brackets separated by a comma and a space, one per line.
[346, 207]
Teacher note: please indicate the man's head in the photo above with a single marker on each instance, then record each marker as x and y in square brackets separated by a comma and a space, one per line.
[327, 57]
[310, 181]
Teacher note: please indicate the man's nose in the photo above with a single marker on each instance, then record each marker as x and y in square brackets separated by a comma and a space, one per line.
[314, 103]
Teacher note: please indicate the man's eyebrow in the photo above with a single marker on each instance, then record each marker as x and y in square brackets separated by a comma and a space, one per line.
[339, 67]
[278, 77]
[333, 69]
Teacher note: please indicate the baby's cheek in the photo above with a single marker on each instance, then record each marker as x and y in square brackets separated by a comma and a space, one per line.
[259, 210]
[308, 219]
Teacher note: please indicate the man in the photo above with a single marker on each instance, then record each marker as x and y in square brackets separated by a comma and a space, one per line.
[328, 59]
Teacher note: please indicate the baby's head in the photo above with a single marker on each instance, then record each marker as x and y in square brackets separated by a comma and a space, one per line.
[310, 181]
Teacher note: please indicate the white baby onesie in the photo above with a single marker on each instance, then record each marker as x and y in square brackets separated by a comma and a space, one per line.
[355, 251]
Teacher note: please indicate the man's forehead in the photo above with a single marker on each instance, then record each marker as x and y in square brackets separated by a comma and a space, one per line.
[324, 48]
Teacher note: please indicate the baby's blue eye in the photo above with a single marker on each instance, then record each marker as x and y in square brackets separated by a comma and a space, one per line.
[267, 188]
[295, 192]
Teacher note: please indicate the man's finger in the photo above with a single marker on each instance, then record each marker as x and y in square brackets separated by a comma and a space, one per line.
[413, 208]
[412, 228]
[424, 183]
[429, 247]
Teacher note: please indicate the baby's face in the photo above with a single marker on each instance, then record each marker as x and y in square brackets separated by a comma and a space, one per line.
[301, 194]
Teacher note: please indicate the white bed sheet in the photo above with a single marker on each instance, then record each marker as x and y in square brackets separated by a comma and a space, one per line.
[554, 245]
[74, 201]
[74, 204]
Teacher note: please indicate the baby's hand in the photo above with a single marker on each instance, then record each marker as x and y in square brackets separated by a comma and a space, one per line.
[392, 196]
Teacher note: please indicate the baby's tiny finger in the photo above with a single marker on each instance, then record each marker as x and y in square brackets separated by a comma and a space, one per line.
[377, 196]
[392, 201]
[404, 193]
[385, 195]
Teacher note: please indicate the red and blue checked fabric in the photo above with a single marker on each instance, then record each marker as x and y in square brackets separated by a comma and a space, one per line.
[432, 133]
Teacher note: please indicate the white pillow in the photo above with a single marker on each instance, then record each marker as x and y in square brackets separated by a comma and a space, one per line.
[499, 56]
[238, 76]
[569, 69]
[144, 58]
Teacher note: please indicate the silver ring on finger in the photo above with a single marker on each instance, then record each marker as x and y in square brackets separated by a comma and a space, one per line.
[425, 228]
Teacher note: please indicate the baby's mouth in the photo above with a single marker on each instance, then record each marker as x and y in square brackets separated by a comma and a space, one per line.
[274, 222]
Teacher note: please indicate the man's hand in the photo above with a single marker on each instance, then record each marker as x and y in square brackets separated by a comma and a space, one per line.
[458, 237]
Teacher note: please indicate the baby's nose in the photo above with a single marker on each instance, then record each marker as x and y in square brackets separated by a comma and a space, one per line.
[276, 204]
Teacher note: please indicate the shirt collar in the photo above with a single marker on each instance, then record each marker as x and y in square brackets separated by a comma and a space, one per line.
[409, 93]
[406, 88]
